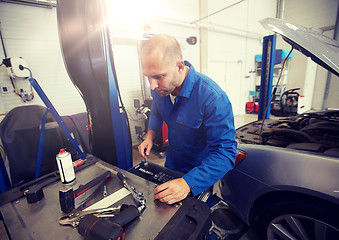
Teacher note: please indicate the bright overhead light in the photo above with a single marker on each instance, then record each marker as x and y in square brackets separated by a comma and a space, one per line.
[129, 14]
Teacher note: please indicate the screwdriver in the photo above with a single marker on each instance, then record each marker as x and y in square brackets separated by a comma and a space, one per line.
[145, 160]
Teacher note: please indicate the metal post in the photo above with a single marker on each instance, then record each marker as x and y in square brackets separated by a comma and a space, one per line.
[267, 69]
[119, 120]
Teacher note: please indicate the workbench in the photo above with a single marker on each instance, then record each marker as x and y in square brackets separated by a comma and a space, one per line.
[40, 220]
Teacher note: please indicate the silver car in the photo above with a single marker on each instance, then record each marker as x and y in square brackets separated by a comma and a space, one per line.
[286, 180]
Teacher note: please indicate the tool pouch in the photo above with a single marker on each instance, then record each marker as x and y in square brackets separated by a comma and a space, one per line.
[92, 227]
[127, 214]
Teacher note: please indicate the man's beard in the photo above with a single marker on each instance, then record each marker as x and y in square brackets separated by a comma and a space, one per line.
[163, 93]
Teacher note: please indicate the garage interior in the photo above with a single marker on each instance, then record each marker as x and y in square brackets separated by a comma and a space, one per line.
[222, 39]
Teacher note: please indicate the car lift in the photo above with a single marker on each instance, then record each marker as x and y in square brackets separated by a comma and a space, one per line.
[91, 68]
[57, 118]
[118, 118]
[4, 180]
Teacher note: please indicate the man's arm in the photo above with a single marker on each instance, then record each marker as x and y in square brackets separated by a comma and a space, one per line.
[220, 135]
[154, 126]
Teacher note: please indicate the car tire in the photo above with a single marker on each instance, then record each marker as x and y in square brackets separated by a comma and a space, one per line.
[297, 220]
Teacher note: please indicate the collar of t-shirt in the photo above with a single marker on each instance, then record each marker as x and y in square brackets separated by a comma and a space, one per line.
[172, 98]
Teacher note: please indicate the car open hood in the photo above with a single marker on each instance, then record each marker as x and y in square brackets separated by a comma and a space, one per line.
[310, 42]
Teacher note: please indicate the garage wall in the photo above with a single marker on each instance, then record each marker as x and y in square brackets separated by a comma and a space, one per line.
[317, 14]
[234, 38]
[31, 33]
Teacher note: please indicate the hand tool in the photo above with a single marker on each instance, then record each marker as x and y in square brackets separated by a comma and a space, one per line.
[105, 191]
[67, 195]
[78, 162]
[139, 197]
[106, 223]
[33, 190]
[145, 162]
[94, 228]
[74, 218]
[109, 200]
[91, 199]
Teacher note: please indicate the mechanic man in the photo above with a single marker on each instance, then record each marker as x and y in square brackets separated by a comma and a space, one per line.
[199, 117]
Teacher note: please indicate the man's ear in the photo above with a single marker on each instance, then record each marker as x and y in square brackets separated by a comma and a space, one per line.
[181, 65]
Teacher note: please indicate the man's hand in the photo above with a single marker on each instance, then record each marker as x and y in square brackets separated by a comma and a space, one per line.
[146, 146]
[172, 191]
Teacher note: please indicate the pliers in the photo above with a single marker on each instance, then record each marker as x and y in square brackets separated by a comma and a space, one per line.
[73, 219]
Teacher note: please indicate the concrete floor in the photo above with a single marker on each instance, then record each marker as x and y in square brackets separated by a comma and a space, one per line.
[243, 119]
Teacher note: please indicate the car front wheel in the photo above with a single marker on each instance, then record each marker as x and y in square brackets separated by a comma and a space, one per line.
[297, 220]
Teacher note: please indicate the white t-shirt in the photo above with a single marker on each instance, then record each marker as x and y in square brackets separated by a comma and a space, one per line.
[172, 98]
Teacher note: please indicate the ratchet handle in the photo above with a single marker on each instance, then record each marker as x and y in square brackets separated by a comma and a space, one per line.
[89, 185]
[121, 177]
[132, 190]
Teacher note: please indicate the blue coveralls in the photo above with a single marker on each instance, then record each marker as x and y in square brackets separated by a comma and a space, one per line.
[201, 130]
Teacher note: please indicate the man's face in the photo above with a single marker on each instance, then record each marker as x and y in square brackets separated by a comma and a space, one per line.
[163, 76]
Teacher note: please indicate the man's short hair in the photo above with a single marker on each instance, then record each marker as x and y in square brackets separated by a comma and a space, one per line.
[164, 43]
